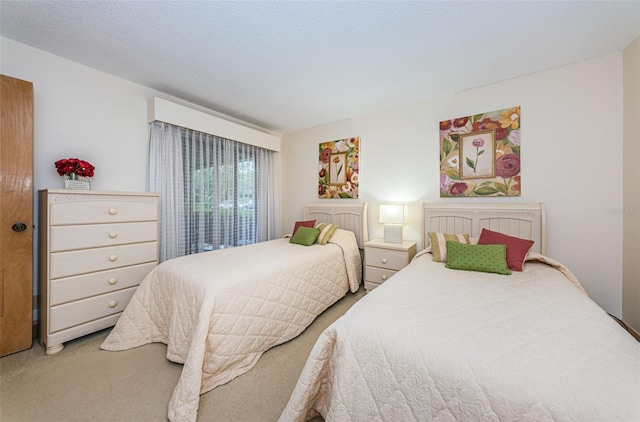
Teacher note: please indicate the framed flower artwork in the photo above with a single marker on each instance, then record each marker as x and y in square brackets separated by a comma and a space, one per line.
[480, 155]
[338, 168]
[476, 153]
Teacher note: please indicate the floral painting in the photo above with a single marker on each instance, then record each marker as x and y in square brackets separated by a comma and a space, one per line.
[338, 168]
[480, 154]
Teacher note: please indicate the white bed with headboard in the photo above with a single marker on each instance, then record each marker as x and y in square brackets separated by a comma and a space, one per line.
[219, 311]
[350, 216]
[436, 343]
[520, 220]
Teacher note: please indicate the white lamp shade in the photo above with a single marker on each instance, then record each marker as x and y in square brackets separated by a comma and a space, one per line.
[391, 214]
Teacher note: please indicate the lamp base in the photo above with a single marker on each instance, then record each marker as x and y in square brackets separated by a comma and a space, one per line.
[393, 233]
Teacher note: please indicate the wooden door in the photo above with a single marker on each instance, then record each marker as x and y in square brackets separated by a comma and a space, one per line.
[16, 214]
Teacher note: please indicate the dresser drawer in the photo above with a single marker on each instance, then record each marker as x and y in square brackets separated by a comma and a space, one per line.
[64, 264]
[385, 258]
[85, 310]
[377, 275]
[94, 210]
[73, 288]
[96, 235]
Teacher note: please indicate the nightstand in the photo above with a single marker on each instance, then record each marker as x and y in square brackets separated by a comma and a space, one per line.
[382, 260]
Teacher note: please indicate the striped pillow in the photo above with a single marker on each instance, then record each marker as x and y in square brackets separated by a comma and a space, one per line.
[439, 243]
[326, 231]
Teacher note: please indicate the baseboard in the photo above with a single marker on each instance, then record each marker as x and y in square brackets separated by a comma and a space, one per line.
[632, 331]
[627, 327]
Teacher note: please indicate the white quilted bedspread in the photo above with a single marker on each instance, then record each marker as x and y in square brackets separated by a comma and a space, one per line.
[219, 311]
[433, 344]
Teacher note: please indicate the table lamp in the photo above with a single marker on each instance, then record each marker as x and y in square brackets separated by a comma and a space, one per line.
[392, 216]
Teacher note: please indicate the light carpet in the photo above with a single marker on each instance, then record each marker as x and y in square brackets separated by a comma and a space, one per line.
[84, 383]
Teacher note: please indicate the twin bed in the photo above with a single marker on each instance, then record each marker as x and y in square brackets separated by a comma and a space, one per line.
[441, 344]
[431, 343]
[219, 311]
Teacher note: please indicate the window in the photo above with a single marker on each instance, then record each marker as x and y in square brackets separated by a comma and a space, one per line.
[215, 193]
[225, 196]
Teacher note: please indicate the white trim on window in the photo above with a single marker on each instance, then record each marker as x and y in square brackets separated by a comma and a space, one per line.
[162, 110]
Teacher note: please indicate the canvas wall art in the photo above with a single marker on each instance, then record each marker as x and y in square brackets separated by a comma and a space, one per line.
[338, 168]
[480, 155]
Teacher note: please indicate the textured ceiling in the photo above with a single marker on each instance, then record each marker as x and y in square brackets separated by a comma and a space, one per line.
[289, 65]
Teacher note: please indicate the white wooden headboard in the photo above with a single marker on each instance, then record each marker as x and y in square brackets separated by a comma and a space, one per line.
[348, 216]
[521, 220]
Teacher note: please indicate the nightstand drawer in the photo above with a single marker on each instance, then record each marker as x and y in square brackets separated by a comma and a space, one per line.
[385, 258]
[377, 275]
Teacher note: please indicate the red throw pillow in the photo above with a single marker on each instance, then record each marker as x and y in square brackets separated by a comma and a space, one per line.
[308, 223]
[517, 248]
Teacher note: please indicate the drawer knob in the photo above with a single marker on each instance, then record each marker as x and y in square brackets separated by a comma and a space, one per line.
[113, 258]
[384, 277]
[113, 304]
[384, 260]
[113, 281]
[113, 235]
[113, 211]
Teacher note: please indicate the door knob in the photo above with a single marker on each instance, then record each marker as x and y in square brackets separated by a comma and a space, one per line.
[19, 227]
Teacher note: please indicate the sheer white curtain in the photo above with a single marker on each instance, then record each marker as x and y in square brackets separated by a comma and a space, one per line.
[214, 193]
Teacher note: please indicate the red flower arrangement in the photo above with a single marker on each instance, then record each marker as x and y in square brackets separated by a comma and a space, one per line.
[74, 166]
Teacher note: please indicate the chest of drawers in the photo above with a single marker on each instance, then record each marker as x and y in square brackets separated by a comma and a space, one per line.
[382, 260]
[94, 249]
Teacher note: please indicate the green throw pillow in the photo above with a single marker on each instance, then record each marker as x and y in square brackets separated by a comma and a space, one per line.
[305, 236]
[484, 258]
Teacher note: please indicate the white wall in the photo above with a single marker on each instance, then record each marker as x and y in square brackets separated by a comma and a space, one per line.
[571, 146]
[84, 113]
[81, 112]
[571, 161]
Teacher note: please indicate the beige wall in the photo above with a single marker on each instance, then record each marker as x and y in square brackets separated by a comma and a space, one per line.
[572, 149]
[571, 161]
[82, 112]
[631, 186]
